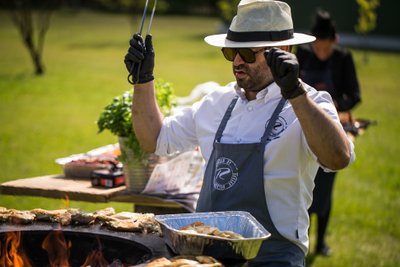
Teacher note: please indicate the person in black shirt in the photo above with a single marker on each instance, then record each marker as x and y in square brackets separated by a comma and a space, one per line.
[326, 66]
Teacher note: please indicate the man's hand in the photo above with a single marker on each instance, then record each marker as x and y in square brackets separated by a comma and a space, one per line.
[139, 60]
[285, 70]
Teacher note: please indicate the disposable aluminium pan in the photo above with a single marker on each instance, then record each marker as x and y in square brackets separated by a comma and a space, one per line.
[240, 222]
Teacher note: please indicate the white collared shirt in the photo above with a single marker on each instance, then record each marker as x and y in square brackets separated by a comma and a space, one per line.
[290, 166]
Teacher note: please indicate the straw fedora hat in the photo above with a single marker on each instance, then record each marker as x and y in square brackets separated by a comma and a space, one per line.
[260, 23]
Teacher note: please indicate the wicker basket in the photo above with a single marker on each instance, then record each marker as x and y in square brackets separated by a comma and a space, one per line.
[137, 172]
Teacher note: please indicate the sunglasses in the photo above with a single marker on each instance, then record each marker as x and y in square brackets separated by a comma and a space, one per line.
[248, 55]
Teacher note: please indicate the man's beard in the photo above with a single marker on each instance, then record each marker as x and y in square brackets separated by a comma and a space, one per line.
[255, 79]
[248, 85]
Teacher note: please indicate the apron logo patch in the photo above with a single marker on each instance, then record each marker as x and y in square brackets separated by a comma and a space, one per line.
[279, 127]
[226, 174]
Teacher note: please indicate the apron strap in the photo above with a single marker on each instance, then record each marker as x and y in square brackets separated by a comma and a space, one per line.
[225, 119]
[271, 123]
[268, 129]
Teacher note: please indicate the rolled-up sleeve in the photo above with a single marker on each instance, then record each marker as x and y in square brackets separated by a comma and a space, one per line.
[177, 133]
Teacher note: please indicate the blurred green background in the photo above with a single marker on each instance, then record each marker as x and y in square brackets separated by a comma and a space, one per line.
[51, 116]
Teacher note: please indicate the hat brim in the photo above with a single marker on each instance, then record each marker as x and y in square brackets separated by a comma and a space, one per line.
[220, 40]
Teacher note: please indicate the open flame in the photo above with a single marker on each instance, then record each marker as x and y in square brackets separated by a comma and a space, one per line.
[58, 250]
[96, 258]
[11, 252]
[66, 201]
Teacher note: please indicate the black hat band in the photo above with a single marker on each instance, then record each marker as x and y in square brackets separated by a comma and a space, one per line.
[260, 36]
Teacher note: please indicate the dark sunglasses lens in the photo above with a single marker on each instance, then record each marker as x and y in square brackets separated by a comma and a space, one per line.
[229, 53]
[247, 55]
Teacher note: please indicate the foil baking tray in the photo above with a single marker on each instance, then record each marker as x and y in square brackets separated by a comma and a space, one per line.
[240, 222]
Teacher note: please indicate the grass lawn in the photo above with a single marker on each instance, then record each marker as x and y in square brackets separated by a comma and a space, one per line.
[44, 118]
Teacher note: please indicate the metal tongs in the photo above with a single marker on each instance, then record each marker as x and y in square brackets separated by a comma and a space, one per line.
[130, 79]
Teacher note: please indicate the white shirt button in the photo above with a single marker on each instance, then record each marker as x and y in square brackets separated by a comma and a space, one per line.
[250, 108]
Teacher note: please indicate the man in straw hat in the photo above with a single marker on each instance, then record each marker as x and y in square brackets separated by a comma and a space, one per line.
[263, 136]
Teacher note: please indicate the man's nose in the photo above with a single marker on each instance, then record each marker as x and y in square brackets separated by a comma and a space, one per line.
[237, 60]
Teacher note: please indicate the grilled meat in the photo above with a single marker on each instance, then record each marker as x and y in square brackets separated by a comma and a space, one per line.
[185, 261]
[16, 216]
[133, 222]
[61, 216]
[201, 228]
[123, 221]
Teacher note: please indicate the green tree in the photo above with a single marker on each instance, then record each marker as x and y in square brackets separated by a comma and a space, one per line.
[367, 15]
[32, 18]
[367, 18]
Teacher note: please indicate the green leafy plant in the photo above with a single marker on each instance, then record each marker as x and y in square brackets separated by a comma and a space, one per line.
[117, 116]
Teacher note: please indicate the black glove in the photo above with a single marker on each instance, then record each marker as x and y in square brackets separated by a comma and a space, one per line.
[139, 60]
[285, 70]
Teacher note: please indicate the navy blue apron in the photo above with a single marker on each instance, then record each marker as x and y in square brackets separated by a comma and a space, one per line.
[234, 180]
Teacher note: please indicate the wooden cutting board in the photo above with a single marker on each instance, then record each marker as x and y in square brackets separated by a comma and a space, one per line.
[60, 187]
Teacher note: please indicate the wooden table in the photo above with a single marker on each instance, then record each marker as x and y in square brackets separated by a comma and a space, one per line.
[57, 186]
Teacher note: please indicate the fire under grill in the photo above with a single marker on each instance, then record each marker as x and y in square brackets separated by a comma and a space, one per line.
[69, 238]
[44, 244]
